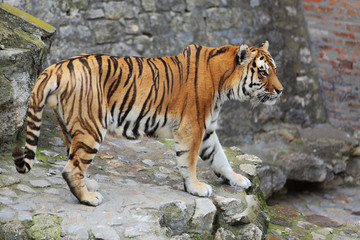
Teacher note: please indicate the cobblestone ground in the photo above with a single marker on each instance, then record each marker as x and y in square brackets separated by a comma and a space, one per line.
[331, 214]
[135, 178]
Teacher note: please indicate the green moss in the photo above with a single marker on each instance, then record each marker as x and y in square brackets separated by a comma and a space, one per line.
[231, 156]
[30, 38]
[27, 17]
[167, 142]
[45, 226]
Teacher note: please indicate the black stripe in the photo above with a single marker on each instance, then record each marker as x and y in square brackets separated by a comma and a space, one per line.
[130, 66]
[131, 103]
[179, 153]
[33, 118]
[198, 48]
[166, 74]
[33, 126]
[86, 148]
[29, 154]
[142, 113]
[207, 135]
[140, 65]
[113, 87]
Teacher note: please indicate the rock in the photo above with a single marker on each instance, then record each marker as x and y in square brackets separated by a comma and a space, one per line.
[322, 221]
[272, 179]
[12, 230]
[250, 232]
[176, 216]
[104, 232]
[248, 169]
[45, 226]
[139, 230]
[317, 236]
[25, 188]
[7, 180]
[280, 221]
[6, 213]
[231, 208]
[203, 218]
[305, 225]
[223, 234]
[40, 183]
[23, 37]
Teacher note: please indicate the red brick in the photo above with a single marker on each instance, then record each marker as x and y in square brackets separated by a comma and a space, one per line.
[334, 63]
[316, 16]
[348, 117]
[315, 1]
[333, 94]
[353, 27]
[340, 10]
[343, 88]
[340, 50]
[347, 58]
[356, 52]
[308, 7]
[355, 4]
[324, 9]
[331, 78]
[335, 108]
[356, 126]
[322, 54]
[326, 47]
[333, 2]
[327, 85]
[342, 34]
[331, 40]
[351, 12]
[338, 25]
[352, 105]
[353, 44]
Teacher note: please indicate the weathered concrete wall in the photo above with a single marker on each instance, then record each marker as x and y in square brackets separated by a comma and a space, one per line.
[156, 28]
[22, 53]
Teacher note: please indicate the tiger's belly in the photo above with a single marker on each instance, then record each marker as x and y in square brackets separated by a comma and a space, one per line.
[132, 127]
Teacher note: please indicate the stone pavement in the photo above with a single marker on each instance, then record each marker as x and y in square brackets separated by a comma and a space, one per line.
[144, 196]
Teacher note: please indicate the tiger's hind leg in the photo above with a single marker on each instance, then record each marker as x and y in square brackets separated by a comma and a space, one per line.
[212, 153]
[66, 134]
[83, 150]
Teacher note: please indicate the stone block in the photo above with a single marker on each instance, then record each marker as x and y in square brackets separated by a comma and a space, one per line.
[23, 38]
[203, 218]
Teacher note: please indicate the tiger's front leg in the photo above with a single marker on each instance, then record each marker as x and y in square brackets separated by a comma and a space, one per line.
[187, 144]
[212, 153]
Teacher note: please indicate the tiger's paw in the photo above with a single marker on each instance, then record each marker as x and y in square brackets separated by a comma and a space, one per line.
[93, 199]
[239, 180]
[199, 189]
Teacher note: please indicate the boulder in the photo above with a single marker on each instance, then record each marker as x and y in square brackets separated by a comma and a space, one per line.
[23, 48]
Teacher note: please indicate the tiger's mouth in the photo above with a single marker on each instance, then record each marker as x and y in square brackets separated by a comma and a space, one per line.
[265, 98]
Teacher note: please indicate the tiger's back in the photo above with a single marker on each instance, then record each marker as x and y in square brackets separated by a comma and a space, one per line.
[177, 96]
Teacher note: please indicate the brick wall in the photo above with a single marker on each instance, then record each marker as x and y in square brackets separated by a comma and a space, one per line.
[334, 27]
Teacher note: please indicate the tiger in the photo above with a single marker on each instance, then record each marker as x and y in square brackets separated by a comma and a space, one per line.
[176, 97]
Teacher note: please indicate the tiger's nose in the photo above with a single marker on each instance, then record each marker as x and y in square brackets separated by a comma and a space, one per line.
[278, 91]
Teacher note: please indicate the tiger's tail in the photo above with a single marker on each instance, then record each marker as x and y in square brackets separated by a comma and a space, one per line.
[42, 91]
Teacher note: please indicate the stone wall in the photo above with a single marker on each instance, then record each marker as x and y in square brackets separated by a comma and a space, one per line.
[22, 52]
[157, 28]
[334, 28]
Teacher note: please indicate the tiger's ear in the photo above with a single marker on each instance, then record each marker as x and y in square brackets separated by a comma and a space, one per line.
[265, 45]
[243, 53]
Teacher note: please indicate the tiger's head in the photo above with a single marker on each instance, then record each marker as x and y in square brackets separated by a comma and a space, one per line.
[260, 81]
